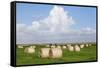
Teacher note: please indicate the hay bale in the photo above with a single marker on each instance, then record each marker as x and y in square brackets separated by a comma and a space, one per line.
[82, 46]
[44, 52]
[32, 46]
[64, 47]
[90, 44]
[77, 48]
[48, 45]
[20, 46]
[68, 45]
[53, 46]
[70, 48]
[87, 45]
[58, 46]
[29, 50]
[55, 53]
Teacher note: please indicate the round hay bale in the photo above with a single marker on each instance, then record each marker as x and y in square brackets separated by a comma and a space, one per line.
[53, 46]
[20, 46]
[87, 45]
[82, 46]
[47, 45]
[64, 47]
[77, 48]
[44, 52]
[68, 45]
[55, 53]
[70, 48]
[32, 46]
[90, 44]
[58, 46]
[29, 50]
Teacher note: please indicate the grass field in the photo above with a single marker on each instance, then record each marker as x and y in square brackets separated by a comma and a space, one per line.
[86, 54]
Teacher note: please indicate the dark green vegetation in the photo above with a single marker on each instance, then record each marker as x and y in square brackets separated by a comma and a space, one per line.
[86, 54]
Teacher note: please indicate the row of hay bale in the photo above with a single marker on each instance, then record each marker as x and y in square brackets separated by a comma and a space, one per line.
[60, 46]
[70, 47]
[64, 46]
[44, 52]
[53, 51]
[76, 47]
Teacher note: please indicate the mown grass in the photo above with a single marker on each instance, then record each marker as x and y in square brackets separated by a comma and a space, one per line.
[86, 54]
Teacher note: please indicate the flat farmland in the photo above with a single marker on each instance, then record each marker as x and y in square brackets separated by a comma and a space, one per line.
[85, 54]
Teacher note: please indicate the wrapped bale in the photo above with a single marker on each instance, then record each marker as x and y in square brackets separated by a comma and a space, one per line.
[29, 50]
[90, 44]
[82, 46]
[68, 45]
[32, 46]
[55, 53]
[44, 52]
[77, 48]
[70, 48]
[53, 46]
[87, 45]
[58, 46]
[48, 45]
[20, 46]
[64, 47]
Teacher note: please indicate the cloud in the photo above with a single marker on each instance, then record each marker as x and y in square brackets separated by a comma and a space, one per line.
[57, 20]
[56, 27]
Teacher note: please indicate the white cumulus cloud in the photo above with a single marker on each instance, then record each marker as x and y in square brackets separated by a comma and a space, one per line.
[57, 20]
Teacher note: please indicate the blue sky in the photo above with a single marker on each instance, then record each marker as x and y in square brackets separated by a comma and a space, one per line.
[84, 19]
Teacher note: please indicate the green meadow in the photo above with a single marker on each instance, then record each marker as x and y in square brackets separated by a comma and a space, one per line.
[85, 54]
